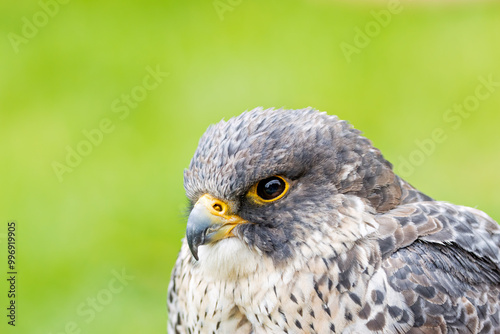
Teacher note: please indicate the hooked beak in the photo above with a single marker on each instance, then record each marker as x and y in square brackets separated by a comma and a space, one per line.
[210, 221]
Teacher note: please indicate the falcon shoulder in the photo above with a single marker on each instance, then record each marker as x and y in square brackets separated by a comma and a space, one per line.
[444, 260]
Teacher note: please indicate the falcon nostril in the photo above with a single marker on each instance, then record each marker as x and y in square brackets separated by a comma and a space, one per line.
[217, 207]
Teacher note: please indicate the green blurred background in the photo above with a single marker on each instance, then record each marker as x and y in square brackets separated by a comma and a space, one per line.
[121, 207]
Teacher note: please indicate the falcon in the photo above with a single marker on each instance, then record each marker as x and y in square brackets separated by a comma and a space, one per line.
[297, 224]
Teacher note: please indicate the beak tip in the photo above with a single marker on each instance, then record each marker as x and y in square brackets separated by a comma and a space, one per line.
[194, 251]
[198, 223]
[194, 240]
[205, 226]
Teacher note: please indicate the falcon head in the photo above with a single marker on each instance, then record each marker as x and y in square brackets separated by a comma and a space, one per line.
[266, 180]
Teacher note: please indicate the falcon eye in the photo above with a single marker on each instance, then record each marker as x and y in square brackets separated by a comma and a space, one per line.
[270, 189]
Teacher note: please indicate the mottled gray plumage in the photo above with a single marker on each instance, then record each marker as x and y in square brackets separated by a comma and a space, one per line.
[349, 248]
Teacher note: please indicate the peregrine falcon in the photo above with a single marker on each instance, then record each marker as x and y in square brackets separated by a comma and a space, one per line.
[297, 224]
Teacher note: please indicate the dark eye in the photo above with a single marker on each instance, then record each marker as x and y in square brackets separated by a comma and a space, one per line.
[271, 188]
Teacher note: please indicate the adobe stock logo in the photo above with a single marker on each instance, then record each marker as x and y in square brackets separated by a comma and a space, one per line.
[372, 29]
[223, 6]
[453, 118]
[31, 26]
[121, 107]
[89, 309]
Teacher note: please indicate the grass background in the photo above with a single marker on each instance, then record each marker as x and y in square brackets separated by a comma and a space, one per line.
[122, 206]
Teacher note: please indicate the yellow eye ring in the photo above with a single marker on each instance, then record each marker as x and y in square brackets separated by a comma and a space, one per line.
[269, 190]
